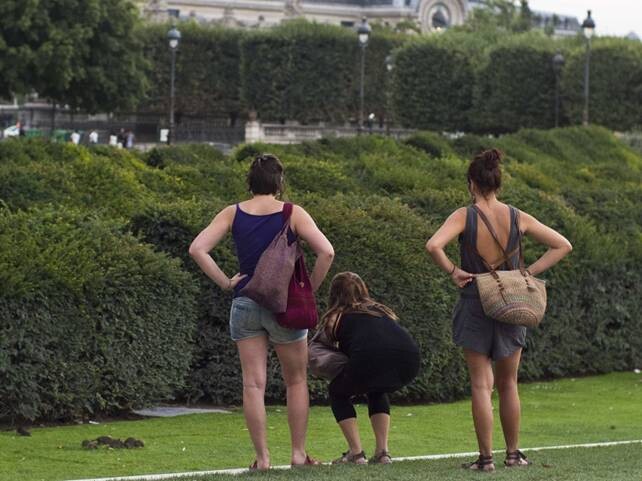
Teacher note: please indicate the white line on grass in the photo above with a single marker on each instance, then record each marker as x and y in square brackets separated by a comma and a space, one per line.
[429, 457]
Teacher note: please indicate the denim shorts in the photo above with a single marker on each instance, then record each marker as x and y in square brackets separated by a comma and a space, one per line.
[248, 319]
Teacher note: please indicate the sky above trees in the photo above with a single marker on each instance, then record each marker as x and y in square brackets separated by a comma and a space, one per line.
[613, 17]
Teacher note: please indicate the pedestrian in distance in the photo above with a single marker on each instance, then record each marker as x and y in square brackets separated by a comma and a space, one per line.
[121, 138]
[485, 340]
[93, 137]
[254, 223]
[129, 139]
[75, 137]
[382, 358]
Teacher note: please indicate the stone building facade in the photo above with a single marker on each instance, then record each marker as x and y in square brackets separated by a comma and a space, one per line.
[427, 14]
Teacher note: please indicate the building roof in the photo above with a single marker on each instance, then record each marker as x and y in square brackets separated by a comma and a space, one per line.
[359, 3]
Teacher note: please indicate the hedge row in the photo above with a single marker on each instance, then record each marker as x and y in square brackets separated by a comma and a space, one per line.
[455, 81]
[93, 321]
[378, 201]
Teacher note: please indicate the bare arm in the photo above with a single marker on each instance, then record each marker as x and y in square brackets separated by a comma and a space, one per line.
[305, 228]
[206, 241]
[454, 225]
[558, 245]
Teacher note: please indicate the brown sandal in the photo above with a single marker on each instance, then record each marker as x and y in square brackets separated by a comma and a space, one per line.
[308, 462]
[382, 458]
[347, 458]
[516, 459]
[255, 466]
[482, 463]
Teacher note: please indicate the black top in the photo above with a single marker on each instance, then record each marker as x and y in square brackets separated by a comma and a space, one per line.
[360, 332]
[471, 260]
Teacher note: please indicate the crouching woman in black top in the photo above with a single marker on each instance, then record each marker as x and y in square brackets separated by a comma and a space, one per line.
[383, 357]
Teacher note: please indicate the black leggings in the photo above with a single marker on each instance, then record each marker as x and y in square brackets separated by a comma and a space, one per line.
[343, 387]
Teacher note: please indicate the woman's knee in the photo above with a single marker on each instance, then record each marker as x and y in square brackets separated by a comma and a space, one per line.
[378, 403]
[506, 384]
[295, 377]
[481, 386]
[254, 385]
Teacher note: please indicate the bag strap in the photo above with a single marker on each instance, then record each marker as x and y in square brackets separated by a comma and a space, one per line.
[522, 266]
[287, 211]
[506, 255]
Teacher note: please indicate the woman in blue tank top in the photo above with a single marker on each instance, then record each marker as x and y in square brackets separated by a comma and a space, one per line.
[254, 223]
[483, 339]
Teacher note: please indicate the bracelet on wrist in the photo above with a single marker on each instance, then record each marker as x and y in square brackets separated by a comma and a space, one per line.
[229, 285]
[454, 267]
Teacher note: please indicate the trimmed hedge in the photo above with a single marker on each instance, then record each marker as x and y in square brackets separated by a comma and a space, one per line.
[297, 72]
[377, 199]
[455, 81]
[516, 87]
[615, 83]
[433, 85]
[92, 320]
[207, 70]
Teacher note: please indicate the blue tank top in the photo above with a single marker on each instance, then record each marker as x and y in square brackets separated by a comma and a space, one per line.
[252, 234]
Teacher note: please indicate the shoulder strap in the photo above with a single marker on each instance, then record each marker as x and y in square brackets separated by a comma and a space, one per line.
[506, 256]
[287, 211]
[522, 266]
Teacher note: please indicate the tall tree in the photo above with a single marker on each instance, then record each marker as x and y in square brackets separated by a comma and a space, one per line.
[495, 15]
[85, 53]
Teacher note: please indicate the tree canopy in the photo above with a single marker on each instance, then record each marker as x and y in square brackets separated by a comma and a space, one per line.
[85, 53]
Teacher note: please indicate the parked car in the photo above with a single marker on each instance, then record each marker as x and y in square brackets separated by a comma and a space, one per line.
[11, 131]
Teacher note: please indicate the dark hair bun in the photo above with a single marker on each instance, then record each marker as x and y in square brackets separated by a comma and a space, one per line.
[491, 158]
[484, 171]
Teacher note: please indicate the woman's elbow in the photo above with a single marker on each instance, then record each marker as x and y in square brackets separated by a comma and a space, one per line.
[568, 247]
[193, 250]
[328, 253]
[432, 247]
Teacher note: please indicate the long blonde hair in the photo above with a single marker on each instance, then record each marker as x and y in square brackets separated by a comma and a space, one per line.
[348, 293]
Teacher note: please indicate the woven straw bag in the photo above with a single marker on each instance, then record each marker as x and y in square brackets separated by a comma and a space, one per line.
[514, 296]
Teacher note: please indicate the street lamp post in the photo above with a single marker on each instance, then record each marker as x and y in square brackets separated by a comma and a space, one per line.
[588, 27]
[364, 34]
[174, 37]
[390, 65]
[558, 64]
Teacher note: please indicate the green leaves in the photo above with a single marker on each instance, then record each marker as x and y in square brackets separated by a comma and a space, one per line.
[82, 53]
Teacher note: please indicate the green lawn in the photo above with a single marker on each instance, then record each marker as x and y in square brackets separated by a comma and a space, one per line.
[571, 411]
[592, 464]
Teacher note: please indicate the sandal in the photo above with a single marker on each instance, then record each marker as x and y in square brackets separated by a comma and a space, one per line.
[516, 459]
[255, 466]
[347, 458]
[482, 463]
[382, 458]
[308, 462]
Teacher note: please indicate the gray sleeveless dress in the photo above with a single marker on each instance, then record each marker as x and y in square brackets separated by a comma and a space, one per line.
[472, 329]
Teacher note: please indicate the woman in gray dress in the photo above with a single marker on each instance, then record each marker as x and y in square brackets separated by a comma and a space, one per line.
[483, 339]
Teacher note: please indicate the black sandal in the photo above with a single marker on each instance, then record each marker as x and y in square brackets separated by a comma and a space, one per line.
[516, 459]
[482, 463]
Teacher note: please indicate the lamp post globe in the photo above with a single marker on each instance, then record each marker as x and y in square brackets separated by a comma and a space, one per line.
[558, 64]
[363, 33]
[588, 28]
[173, 37]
